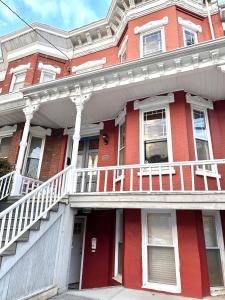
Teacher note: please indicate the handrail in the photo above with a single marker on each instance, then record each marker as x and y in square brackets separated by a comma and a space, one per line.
[23, 214]
[5, 185]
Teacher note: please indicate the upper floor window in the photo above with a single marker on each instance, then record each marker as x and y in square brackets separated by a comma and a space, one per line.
[5, 146]
[152, 42]
[190, 37]
[122, 54]
[47, 76]
[18, 81]
[190, 31]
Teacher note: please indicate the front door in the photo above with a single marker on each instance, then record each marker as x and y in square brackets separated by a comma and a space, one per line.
[76, 253]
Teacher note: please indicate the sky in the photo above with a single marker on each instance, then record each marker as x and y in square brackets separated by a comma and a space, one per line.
[65, 14]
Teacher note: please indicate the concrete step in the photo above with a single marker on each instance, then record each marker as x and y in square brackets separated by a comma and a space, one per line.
[11, 250]
[23, 238]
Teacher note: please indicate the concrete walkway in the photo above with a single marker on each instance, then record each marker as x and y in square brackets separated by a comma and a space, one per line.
[120, 293]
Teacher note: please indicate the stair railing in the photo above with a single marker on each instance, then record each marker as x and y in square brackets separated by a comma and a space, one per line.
[6, 184]
[23, 214]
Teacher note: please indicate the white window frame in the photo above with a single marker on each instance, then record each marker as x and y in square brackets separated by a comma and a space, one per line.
[191, 31]
[41, 154]
[117, 276]
[14, 81]
[220, 241]
[158, 286]
[43, 72]
[211, 157]
[143, 34]
[168, 129]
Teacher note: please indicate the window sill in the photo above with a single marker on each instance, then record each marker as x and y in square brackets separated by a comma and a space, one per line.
[162, 287]
[207, 173]
[156, 172]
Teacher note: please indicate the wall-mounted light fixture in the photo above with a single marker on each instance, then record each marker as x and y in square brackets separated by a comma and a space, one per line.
[105, 138]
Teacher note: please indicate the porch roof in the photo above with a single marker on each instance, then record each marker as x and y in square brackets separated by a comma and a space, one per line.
[196, 69]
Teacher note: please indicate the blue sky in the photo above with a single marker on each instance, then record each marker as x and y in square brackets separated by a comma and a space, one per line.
[65, 14]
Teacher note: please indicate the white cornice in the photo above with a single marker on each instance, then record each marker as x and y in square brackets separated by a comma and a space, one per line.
[49, 68]
[20, 68]
[151, 25]
[154, 102]
[89, 65]
[86, 130]
[199, 101]
[189, 25]
[7, 131]
[222, 68]
[121, 117]
[123, 46]
[40, 131]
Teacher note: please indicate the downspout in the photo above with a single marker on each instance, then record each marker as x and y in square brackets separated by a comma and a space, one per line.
[210, 19]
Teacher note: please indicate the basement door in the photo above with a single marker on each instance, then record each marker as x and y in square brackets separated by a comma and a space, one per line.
[76, 253]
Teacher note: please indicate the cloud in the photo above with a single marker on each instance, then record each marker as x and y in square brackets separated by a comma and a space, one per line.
[43, 8]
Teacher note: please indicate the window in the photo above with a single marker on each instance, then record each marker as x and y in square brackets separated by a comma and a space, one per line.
[123, 56]
[17, 82]
[160, 251]
[47, 76]
[155, 136]
[119, 245]
[152, 43]
[121, 144]
[34, 157]
[5, 146]
[214, 248]
[190, 37]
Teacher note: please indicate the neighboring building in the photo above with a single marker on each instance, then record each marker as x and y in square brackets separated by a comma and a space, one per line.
[144, 89]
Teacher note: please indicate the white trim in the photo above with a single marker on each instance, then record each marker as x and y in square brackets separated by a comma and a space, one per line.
[121, 117]
[7, 131]
[89, 66]
[163, 41]
[157, 286]
[168, 128]
[13, 81]
[20, 68]
[220, 241]
[123, 47]
[191, 31]
[199, 102]
[2, 75]
[222, 67]
[83, 247]
[151, 25]
[117, 276]
[189, 25]
[49, 68]
[86, 130]
[154, 102]
[38, 131]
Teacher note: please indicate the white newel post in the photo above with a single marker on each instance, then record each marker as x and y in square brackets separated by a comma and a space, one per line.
[29, 112]
[79, 102]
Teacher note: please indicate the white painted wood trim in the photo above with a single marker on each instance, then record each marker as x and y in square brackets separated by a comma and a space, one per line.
[154, 102]
[89, 65]
[118, 213]
[151, 25]
[191, 31]
[189, 25]
[39, 131]
[199, 102]
[86, 130]
[121, 117]
[123, 46]
[2, 75]
[49, 68]
[157, 286]
[20, 68]
[7, 131]
[83, 248]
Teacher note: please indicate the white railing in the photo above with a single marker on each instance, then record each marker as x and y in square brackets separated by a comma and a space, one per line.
[29, 184]
[23, 214]
[163, 177]
[5, 185]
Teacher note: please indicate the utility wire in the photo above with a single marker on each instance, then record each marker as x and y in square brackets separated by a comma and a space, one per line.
[18, 16]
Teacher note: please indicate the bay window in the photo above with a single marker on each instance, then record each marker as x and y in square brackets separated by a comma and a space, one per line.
[160, 251]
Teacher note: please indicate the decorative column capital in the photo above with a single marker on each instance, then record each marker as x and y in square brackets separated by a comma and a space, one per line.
[30, 109]
[80, 100]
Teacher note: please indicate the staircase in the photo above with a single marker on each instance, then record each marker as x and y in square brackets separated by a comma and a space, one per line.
[18, 217]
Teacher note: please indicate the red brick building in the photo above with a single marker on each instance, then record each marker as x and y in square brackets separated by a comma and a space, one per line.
[124, 122]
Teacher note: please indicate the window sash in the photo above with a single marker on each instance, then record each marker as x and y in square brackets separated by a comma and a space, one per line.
[47, 76]
[18, 81]
[189, 37]
[152, 42]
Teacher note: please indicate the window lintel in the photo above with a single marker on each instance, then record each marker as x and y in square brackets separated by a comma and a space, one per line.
[154, 102]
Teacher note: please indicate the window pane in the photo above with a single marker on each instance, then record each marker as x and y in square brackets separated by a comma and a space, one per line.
[200, 125]
[35, 147]
[155, 124]
[202, 150]
[189, 38]
[19, 82]
[161, 265]
[33, 157]
[215, 268]
[5, 146]
[210, 231]
[122, 136]
[47, 76]
[160, 229]
[156, 152]
[152, 43]
[32, 167]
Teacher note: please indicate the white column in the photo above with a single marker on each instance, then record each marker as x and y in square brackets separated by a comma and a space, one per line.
[210, 19]
[29, 112]
[79, 102]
